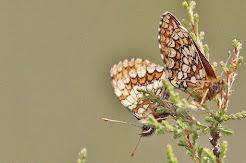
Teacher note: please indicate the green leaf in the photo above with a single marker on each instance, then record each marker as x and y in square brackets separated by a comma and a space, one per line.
[145, 91]
[196, 18]
[224, 118]
[180, 110]
[223, 65]
[240, 59]
[161, 131]
[174, 97]
[223, 151]
[232, 66]
[146, 98]
[178, 133]
[225, 131]
[214, 65]
[199, 153]
[82, 156]
[193, 36]
[210, 155]
[185, 103]
[183, 143]
[201, 36]
[163, 109]
[237, 44]
[190, 153]
[211, 120]
[181, 124]
[168, 127]
[238, 115]
[206, 49]
[205, 159]
[186, 23]
[151, 122]
[194, 137]
[170, 156]
[192, 5]
[185, 5]
[206, 130]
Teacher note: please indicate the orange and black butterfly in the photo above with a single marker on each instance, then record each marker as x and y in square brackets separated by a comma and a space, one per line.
[127, 78]
[185, 65]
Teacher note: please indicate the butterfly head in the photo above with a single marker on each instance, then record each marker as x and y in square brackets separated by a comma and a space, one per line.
[217, 87]
[147, 131]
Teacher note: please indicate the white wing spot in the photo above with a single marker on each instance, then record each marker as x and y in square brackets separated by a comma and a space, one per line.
[172, 53]
[201, 73]
[174, 83]
[185, 60]
[194, 68]
[120, 84]
[141, 110]
[185, 68]
[117, 92]
[141, 71]
[180, 75]
[193, 79]
[155, 84]
[132, 107]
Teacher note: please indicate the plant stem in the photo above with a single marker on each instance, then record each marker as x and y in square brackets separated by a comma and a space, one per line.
[214, 141]
[187, 138]
[230, 77]
[183, 115]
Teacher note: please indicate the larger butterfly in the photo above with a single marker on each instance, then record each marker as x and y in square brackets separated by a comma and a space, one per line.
[185, 65]
[132, 75]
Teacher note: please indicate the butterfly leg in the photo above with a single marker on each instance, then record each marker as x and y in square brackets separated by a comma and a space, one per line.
[193, 91]
[170, 102]
[204, 96]
[165, 118]
[189, 95]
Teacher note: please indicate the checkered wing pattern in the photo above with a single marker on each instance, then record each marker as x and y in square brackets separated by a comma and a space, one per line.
[129, 76]
[185, 65]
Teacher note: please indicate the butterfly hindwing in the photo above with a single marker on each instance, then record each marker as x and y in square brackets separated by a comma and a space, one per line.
[132, 75]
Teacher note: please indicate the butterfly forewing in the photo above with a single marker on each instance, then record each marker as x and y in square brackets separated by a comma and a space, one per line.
[132, 75]
[185, 65]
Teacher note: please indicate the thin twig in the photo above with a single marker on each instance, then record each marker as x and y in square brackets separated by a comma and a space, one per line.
[183, 115]
[187, 138]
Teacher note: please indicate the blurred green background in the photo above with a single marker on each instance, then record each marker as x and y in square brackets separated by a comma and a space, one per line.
[55, 85]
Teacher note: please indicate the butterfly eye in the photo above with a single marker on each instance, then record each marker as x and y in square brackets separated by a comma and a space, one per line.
[214, 86]
[145, 128]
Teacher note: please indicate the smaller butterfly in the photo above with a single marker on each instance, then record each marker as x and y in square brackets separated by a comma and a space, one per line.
[128, 77]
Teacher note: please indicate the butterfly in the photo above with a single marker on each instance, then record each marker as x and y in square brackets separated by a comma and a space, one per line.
[128, 77]
[185, 65]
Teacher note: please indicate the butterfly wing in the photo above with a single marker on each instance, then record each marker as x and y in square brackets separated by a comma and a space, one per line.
[185, 64]
[135, 74]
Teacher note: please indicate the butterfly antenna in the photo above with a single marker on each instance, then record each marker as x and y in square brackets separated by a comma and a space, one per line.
[133, 153]
[110, 120]
[180, 80]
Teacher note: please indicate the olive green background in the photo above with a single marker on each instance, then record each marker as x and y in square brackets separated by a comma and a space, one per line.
[55, 57]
